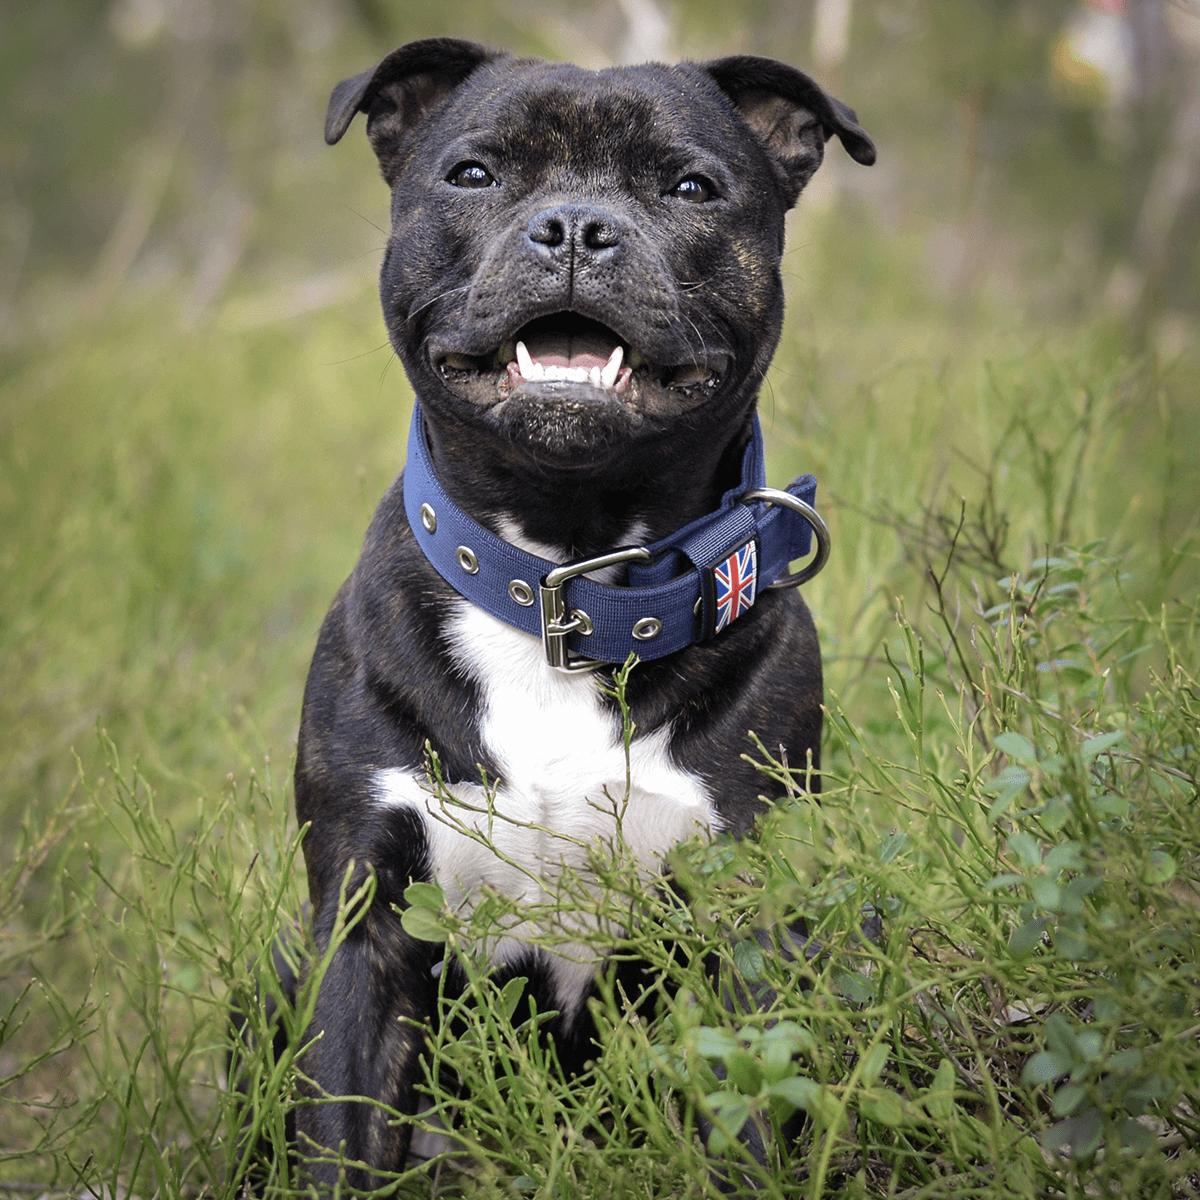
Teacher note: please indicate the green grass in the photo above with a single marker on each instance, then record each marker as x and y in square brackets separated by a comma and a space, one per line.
[1009, 623]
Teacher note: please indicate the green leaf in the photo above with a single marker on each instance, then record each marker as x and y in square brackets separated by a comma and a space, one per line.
[1045, 1067]
[1126, 1060]
[1067, 1099]
[1046, 893]
[1017, 747]
[1115, 806]
[1083, 885]
[1071, 939]
[1074, 672]
[939, 1100]
[1081, 1134]
[510, 995]
[1027, 936]
[855, 987]
[1160, 867]
[1026, 847]
[892, 845]
[1137, 1137]
[1007, 786]
[1064, 858]
[424, 895]
[1152, 1088]
[1060, 1037]
[423, 924]
[733, 1112]
[744, 1072]
[797, 1091]
[1055, 814]
[1095, 746]
[882, 1106]
[777, 1046]
[713, 1043]
[1001, 881]
[1089, 1044]
[748, 958]
[874, 1063]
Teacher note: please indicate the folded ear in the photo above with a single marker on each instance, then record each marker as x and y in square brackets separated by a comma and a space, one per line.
[402, 90]
[791, 114]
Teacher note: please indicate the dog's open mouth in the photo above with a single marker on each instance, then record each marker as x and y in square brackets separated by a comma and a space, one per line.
[566, 349]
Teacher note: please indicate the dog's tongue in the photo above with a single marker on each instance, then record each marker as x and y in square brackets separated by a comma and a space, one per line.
[554, 349]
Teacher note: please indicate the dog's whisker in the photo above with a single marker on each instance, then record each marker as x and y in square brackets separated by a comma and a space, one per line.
[416, 312]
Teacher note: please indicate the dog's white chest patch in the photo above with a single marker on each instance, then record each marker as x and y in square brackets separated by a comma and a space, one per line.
[563, 789]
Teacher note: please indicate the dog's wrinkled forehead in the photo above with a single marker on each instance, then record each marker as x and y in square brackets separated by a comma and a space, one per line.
[757, 110]
[617, 117]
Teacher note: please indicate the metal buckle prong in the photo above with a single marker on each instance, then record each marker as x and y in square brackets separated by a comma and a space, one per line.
[557, 623]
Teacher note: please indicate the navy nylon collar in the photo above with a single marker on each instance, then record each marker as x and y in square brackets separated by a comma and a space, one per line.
[682, 589]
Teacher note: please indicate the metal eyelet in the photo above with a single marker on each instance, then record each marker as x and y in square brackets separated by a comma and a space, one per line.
[429, 518]
[647, 628]
[521, 592]
[467, 560]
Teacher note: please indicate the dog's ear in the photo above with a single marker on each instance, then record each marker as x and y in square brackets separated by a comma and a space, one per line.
[791, 114]
[402, 90]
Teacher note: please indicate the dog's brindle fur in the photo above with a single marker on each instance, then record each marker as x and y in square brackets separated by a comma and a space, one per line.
[640, 205]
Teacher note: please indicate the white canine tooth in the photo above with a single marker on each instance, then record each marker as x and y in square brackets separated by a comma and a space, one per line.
[608, 374]
[529, 369]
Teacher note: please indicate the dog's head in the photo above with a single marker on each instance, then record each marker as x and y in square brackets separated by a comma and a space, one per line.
[580, 260]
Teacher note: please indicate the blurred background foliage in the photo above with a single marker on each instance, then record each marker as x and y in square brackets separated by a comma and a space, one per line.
[199, 407]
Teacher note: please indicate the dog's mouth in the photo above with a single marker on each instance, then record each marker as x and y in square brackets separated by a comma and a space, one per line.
[583, 361]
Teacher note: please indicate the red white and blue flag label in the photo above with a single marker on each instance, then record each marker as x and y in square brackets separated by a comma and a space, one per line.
[735, 583]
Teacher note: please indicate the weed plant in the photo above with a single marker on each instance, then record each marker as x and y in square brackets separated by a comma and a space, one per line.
[995, 991]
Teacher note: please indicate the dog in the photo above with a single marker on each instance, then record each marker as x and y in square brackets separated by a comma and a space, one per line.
[582, 281]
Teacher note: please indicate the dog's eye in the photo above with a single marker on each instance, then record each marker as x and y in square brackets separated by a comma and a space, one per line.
[693, 188]
[471, 175]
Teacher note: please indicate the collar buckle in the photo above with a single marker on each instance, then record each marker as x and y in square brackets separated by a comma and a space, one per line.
[558, 623]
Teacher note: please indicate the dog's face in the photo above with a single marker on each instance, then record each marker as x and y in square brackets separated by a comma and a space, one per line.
[581, 260]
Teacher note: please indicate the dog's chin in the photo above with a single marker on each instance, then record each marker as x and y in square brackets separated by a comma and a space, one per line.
[565, 423]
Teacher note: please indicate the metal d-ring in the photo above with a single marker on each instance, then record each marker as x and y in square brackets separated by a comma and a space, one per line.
[810, 514]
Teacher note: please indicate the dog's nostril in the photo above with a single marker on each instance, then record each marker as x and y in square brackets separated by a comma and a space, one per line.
[600, 235]
[548, 231]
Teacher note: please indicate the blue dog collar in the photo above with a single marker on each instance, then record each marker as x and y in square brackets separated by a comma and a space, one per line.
[682, 589]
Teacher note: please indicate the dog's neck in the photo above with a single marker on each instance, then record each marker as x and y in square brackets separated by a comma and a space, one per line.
[581, 514]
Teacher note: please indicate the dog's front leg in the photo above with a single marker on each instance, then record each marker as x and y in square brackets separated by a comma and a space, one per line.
[375, 997]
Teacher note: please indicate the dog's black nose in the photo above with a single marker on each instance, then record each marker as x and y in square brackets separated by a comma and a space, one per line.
[580, 229]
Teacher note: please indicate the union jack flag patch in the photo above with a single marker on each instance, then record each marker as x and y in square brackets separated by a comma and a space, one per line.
[735, 583]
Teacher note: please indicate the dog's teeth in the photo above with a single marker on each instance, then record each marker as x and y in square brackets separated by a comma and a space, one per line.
[612, 368]
[594, 378]
[687, 377]
[529, 369]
